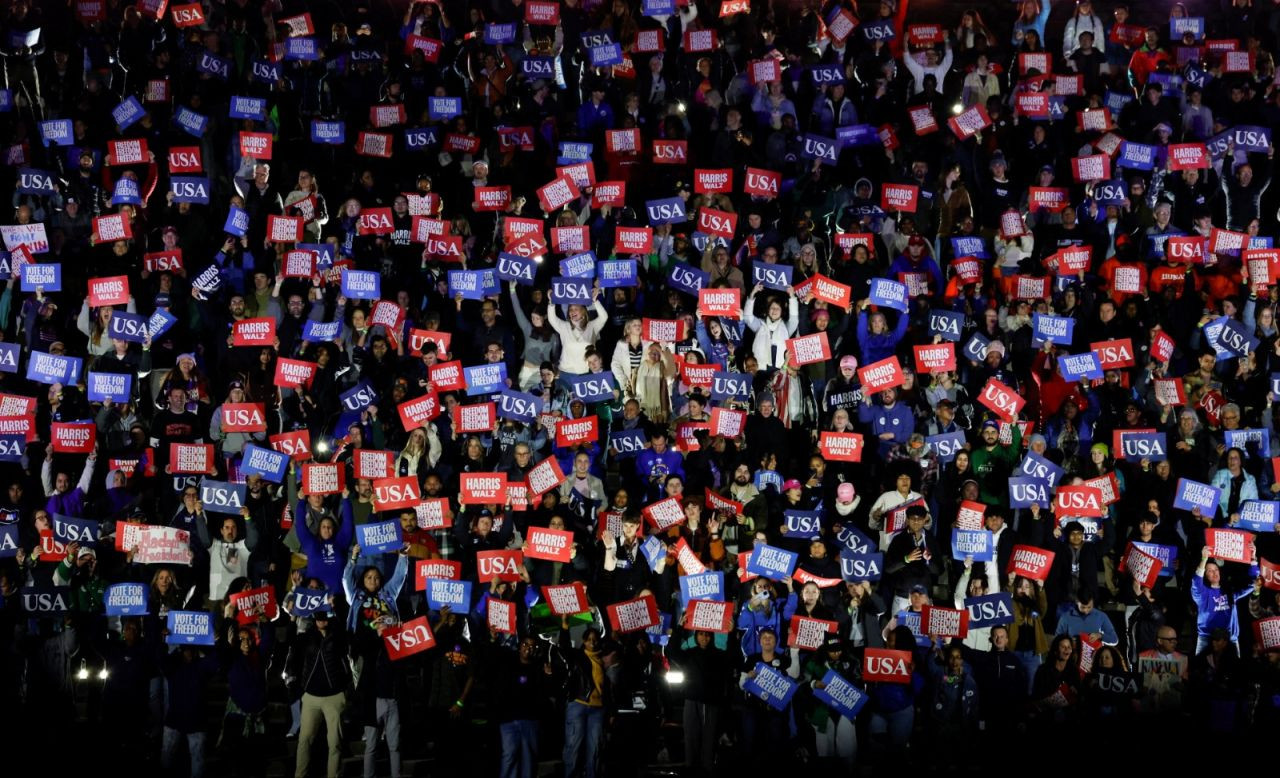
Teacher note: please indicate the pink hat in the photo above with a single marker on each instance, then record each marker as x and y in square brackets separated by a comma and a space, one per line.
[849, 361]
[790, 484]
[845, 493]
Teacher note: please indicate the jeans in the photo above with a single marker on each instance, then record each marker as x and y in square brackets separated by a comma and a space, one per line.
[839, 739]
[388, 718]
[895, 725]
[519, 748]
[315, 711]
[1031, 661]
[195, 747]
[701, 729]
[581, 721]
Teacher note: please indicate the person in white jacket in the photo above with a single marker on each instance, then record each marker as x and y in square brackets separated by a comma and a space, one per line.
[978, 639]
[934, 65]
[228, 553]
[1083, 20]
[577, 333]
[772, 332]
[627, 356]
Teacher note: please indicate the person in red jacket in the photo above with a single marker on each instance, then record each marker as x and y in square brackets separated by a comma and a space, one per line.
[1147, 59]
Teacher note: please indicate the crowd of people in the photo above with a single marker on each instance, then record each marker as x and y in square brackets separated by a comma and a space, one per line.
[720, 385]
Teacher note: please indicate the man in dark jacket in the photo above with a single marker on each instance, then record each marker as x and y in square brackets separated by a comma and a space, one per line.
[521, 689]
[1075, 567]
[707, 671]
[912, 558]
[317, 663]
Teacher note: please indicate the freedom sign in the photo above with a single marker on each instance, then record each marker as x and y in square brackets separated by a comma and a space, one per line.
[771, 685]
[189, 628]
[126, 599]
[1233, 545]
[633, 615]
[975, 543]
[1191, 495]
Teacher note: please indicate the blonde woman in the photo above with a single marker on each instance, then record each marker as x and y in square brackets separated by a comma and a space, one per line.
[627, 356]
[422, 447]
[315, 213]
[653, 382]
[578, 332]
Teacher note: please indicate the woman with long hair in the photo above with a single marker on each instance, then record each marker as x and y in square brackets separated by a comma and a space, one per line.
[186, 376]
[541, 342]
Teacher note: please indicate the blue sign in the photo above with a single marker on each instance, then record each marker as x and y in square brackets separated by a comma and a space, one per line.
[358, 397]
[1026, 491]
[889, 294]
[657, 7]
[878, 31]
[192, 123]
[1259, 515]
[772, 685]
[189, 189]
[308, 601]
[861, 565]
[970, 246]
[56, 132]
[455, 594]
[841, 694]
[471, 284]
[948, 324]
[1235, 337]
[573, 152]
[726, 386]
[946, 445]
[591, 387]
[9, 542]
[606, 55]
[771, 562]
[45, 277]
[222, 496]
[826, 74]
[579, 265]
[127, 112]
[126, 599]
[518, 406]
[127, 326]
[248, 108]
[570, 291]
[320, 331]
[35, 182]
[12, 449]
[126, 193]
[488, 378]
[825, 150]
[265, 72]
[331, 133]
[266, 462]
[1166, 554]
[989, 610]
[538, 67]
[50, 369]
[513, 267]
[1193, 494]
[687, 278]
[190, 628]
[380, 537]
[301, 49]
[116, 387]
[1191, 24]
[420, 138]
[802, 524]
[499, 33]
[68, 529]
[1137, 156]
[976, 543]
[361, 284]
[1253, 442]
[237, 222]
[1047, 328]
[669, 210]
[771, 276]
[1035, 466]
[1078, 367]
[160, 322]
[444, 108]
[618, 273]
[652, 548]
[975, 348]
[1110, 192]
[702, 586]
[858, 135]
[628, 443]
[853, 540]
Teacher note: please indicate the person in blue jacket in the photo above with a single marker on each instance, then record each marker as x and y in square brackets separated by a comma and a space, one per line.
[326, 550]
[1084, 619]
[891, 421]
[918, 259]
[1215, 608]
[875, 340]
[657, 462]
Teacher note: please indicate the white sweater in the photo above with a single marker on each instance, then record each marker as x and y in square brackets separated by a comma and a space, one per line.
[574, 342]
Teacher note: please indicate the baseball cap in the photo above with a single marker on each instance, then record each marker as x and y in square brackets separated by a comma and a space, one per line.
[790, 484]
[917, 240]
[849, 361]
[919, 589]
[845, 493]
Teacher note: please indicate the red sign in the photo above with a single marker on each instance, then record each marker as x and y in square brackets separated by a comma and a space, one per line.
[491, 198]
[1233, 545]
[1002, 400]
[808, 349]
[185, 159]
[111, 228]
[807, 633]
[417, 412]
[447, 376]
[900, 197]
[550, 544]
[633, 615]
[970, 122]
[545, 476]
[1114, 353]
[1078, 501]
[557, 194]
[70, 438]
[191, 458]
[576, 432]
[670, 152]
[1095, 167]
[482, 488]
[127, 152]
[762, 183]
[441, 569]
[502, 565]
[713, 180]
[1144, 567]
[878, 376]
[113, 290]
[373, 464]
[255, 144]
[374, 144]
[390, 494]
[935, 357]
[156, 261]
[254, 332]
[944, 622]
[725, 302]
[323, 478]
[664, 514]
[1186, 156]
[728, 423]
[663, 330]
[887, 665]
[501, 615]
[708, 616]
[719, 223]
[841, 446]
[1030, 562]
[187, 15]
[411, 637]
[243, 417]
[375, 221]
[480, 417]
[255, 604]
[566, 599]
[633, 240]
[296, 444]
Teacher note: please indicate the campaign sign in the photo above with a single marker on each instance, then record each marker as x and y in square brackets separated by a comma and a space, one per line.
[52, 369]
[976, 543]
[222, 497]
[633, 615]
[361, 284]
[771, 685]
[1230, 544]
[890, 294]
[189, 628]
[1079, 367]
[307, 601]
[948, 324]
[1259, 515]
[443, 591]
[1046, 328]
[411, 637]
[1025, 492]
[1031, 562]
[269, 464]
[485, 379]
[126, 599]
[989, 610]
[116, 387]
[770, 562]
[1192, 494]
[380, 537]
[702, 586]
[841, 695]
[860, 565]
[771, 276]
[887, 665]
